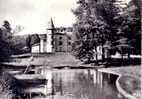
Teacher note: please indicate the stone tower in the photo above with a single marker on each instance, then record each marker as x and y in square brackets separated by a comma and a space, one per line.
[50, 37]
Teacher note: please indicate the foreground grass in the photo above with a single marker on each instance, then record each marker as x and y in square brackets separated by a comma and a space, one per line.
[9, 86]
[131, 85]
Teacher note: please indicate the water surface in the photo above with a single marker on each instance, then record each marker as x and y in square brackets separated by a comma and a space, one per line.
[78, 84]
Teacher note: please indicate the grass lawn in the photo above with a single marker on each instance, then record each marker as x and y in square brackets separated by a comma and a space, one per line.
[130, 80]
[131, 85]
[55, 59]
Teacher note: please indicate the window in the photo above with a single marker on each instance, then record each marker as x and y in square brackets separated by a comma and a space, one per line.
[45, 40]
[69, 38]
[60, 43]
[60, 37]
[69, 43]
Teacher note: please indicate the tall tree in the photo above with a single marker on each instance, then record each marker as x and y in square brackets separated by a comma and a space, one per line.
[94, 26]
[132, 25]
[83, 46]
[130, 28]
[5, 38]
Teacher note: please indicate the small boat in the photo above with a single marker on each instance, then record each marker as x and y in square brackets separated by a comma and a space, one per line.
[31, 78]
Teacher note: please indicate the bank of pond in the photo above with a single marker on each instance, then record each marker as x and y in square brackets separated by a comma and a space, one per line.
[42, 83]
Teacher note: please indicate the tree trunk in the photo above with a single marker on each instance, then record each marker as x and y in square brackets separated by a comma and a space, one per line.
[103, 54]
[128, 55]
[96, 55]
[122, 56]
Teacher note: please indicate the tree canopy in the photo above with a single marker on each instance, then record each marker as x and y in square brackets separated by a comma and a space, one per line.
[102, 21]
[10, 44]
[5, 38]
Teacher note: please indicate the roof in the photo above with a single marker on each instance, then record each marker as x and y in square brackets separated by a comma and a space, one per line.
[42, 36]
[51, 25]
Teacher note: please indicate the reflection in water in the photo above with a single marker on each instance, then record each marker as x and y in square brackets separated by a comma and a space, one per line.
[77, 84]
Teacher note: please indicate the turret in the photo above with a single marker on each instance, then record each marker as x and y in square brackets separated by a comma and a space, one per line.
[50, 37]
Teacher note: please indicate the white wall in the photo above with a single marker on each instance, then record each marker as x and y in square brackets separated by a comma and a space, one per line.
[49, 40]
[35, 49]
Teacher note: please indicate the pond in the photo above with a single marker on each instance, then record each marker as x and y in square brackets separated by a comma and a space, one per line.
[77, 84]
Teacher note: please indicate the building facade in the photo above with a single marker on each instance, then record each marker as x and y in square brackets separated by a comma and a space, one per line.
[63, 42]
[55, 40]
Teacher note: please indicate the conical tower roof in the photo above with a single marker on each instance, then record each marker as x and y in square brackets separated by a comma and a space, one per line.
[51, 25]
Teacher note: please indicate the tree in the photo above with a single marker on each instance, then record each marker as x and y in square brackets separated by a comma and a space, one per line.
[18, 29]
[94, 26]
[6, 25]
[10, 44]
[31, 40]
[5, 40]
[6, 32]
[83, 46]
[130, 27]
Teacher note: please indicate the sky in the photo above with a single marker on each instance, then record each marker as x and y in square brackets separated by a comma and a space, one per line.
[34, 15]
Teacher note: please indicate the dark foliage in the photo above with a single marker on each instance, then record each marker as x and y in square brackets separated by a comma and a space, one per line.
[103, 23]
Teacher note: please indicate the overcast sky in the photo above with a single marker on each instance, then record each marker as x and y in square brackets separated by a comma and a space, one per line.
[35, 14]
